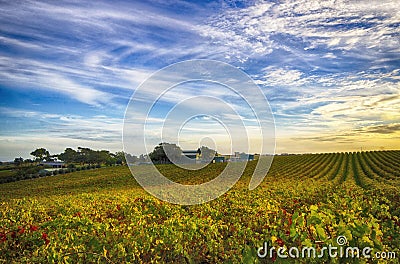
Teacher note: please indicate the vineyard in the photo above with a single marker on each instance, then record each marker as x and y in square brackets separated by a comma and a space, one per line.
[104, 216]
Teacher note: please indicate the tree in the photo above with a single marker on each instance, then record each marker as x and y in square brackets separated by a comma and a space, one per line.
[131, 158]
[28, 161]
[86, 155]
[40, 154]
[120, 158]
[18, 161]
[159, 154]
[207, 154]
[83, 154]
[69, 155]
[101, 156]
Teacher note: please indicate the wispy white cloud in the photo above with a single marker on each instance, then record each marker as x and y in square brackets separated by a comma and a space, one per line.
[50, 80]
[68, 126]
[83, 47]
[354, 27]
[22, 44]
[324, 65]
[274, 76]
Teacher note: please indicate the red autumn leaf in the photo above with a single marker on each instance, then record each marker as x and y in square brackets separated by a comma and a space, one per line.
[274, 256]
[280, 242]
[21, 230]
[33, 228]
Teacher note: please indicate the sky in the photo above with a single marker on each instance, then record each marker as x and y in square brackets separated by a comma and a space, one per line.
[329, 69]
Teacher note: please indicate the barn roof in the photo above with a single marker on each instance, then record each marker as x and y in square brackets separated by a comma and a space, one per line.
[189, 151]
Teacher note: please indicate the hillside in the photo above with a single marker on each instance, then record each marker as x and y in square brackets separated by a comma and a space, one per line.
[104, 215]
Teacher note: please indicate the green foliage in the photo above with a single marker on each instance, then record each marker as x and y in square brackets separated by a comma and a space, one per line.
[69, 155]
[40, 154]
[18, 161]
[104, 216]
[207, 154]
[159, 154]
[119, 158]
[71, 166]
[89, 156]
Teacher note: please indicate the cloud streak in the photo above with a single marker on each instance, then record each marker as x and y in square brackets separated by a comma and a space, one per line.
[327, 67]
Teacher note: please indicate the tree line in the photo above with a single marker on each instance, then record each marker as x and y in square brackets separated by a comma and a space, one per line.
[81, 155]
[162, 153]
[86, 158]
[170, 153]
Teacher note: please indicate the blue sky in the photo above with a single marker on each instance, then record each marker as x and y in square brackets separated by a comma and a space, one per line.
[330, 69]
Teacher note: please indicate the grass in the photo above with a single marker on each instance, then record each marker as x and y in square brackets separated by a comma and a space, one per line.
[7, 173]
